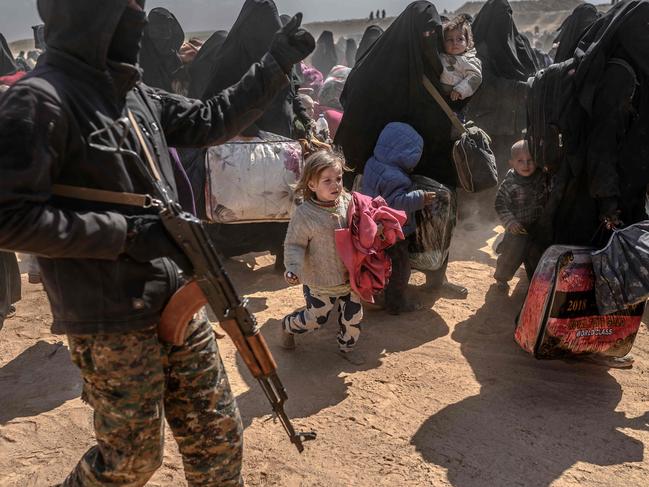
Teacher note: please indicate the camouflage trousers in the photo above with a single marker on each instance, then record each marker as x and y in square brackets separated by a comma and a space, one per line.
[133, 382]
[319, 308]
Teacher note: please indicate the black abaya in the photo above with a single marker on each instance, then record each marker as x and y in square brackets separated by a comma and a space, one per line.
[504, 52]
[325, 56]
[7, 62]
[372, 33]
[386, 86]
[159, 58]
[248, 40]
[611, 178]
[572, 29]
[200, 70]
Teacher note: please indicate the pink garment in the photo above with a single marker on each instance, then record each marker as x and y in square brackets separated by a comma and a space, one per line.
[373, 227]
[313, 79]
[12, 79]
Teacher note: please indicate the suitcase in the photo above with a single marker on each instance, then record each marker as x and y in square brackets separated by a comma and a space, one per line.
[560, 317]
[251, 179]
[429, 245]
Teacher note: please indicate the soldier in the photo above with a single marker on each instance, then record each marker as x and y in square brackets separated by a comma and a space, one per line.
[109, 269]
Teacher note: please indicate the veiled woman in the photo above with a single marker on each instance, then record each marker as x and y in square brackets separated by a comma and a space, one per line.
[507, 62]
[159, 57]
[248, 40]
[386, 86]
[325, 56]
[572, 29]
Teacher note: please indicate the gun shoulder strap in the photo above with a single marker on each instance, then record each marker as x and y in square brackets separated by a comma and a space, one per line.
[432, 91]
[102, 196]
[115, 197]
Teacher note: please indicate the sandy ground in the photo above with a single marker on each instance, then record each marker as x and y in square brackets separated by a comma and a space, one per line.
[445, 397]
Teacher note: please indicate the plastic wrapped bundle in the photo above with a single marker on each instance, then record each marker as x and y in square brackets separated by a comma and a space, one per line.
[250, 179]
[560, 317]
[429, 245]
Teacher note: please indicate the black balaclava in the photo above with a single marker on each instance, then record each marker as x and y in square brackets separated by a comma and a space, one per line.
[127, 39]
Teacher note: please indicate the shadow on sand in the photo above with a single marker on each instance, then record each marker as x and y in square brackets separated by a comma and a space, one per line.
[532, 420]
[38, 380]
[313, 373]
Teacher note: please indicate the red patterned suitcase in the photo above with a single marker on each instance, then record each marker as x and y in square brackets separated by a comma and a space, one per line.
[560, 316]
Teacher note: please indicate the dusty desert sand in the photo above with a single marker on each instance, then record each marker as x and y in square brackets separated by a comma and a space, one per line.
[445, 398]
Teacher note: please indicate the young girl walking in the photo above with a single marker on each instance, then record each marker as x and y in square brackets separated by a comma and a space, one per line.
[311, 258]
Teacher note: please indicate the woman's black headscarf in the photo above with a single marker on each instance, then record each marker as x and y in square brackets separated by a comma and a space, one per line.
[622, 32]
[248, 40]
[350, 52]
[202, 67]
[325, 56]
[7, 62]
[504, 52]
[386, 86]
[159, 59]
[372, 33]
[572, 29]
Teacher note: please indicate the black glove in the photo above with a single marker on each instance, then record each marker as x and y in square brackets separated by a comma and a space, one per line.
[291, 44]
[147, 239]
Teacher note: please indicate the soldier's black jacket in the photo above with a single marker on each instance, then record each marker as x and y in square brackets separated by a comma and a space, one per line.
[45, 124]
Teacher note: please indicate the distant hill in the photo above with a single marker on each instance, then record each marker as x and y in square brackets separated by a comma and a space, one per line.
[546, 14]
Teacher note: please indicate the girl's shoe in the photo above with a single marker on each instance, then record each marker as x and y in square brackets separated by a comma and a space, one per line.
[287, 340]
[11, 313]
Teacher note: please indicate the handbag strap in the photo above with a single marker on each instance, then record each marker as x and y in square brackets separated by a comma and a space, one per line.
[432, 91]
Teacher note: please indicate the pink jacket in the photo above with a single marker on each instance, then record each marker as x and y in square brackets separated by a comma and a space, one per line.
[373, 227]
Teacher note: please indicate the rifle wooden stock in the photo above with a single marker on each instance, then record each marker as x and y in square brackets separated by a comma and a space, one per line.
[179, 312]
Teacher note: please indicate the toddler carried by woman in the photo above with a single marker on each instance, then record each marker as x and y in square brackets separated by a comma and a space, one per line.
[462, 69]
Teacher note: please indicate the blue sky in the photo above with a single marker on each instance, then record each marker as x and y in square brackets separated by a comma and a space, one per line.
[17, 16]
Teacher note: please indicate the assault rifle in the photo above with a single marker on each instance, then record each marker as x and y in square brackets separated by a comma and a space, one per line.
[210, 283]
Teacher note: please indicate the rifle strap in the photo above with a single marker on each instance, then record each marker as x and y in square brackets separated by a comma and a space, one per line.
[432, 91]
[115, 197]
[102, 196]
[145, 147]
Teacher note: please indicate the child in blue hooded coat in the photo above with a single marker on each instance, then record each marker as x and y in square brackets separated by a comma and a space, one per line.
[386, 174]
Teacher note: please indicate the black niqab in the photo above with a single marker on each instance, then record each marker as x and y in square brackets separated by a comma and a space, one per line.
[572, 29]
[504, 52]
[325, 55]
[371, 34]
[248, 41]
[202, 67]
[159, 57]
[622, 32]
[7, 62]
[386, 86]
[350, 52]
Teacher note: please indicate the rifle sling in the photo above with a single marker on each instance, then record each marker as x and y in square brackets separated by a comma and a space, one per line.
[115, 197]
[102, 196]
[432, 91]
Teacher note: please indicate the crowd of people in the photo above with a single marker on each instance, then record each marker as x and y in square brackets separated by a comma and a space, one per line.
[108, 267]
